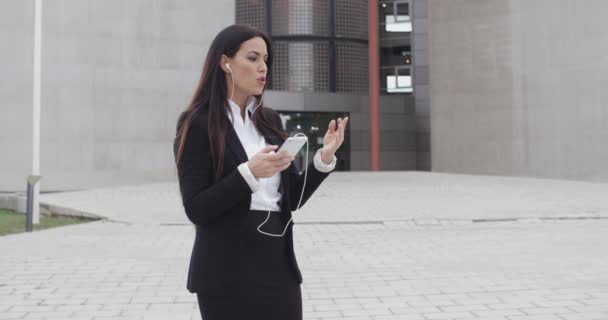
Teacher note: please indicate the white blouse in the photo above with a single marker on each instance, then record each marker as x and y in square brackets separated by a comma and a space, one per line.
[266, 195]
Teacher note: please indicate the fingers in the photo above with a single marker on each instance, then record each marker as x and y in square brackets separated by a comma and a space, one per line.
[338, 126]
[285, 166]
[331, 127]
[268, 153]
[342, 126]
[279, 156]
[283, 163]
[342, 123]
[271, 162]
[267, 149]
[335, 134]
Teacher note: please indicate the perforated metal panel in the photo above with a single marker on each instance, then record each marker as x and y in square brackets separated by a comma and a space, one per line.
[301, 17]
[304, 40]
[351, 67]
[351, 19]
[301, 66]
[252, 13]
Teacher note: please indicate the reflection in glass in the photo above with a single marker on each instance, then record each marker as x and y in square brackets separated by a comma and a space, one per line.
[403, 84]
[398, 24]
[314, 126]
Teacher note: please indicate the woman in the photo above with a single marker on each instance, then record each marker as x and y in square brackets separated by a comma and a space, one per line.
[232, 182]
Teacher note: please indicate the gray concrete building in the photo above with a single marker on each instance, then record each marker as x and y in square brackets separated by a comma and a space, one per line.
[469, 86]
[115, 76]
[519, 88]
[321, 67]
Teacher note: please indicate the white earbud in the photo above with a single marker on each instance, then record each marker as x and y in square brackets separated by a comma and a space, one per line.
[228, 67]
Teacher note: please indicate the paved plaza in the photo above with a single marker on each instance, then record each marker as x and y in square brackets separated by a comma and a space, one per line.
[387, 245]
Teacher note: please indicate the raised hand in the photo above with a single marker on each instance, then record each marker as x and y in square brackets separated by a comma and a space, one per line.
[334, 137]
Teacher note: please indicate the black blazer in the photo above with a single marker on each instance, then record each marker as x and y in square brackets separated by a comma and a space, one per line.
[219, 209]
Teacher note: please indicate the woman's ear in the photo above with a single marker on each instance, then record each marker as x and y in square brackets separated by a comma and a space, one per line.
[223, 61]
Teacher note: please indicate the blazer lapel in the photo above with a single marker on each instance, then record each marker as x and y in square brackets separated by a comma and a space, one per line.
[234, 144]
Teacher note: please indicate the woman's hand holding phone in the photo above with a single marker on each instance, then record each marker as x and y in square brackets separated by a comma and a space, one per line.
[266, 163]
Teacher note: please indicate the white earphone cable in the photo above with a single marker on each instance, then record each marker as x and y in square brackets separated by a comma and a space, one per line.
[305, 164]
[299, 202]
[232, 78]
[232, 91]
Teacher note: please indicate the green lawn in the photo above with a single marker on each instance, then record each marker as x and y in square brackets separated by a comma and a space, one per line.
[13, 222]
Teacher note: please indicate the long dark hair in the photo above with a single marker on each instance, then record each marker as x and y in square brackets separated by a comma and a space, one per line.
[212, 94]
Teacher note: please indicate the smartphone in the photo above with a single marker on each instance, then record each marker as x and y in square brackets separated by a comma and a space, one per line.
[293, 145]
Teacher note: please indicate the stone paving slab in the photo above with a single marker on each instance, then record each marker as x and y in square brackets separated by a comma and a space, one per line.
[508, 270]
[423, 197]
[355, 265]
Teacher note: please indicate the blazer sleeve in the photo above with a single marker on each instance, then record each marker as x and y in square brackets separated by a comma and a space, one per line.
[313, 179]
[204, 200]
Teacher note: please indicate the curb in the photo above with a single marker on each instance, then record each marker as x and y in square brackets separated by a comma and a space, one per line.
[17, 202]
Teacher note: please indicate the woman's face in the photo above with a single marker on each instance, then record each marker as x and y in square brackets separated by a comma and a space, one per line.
[248, 68]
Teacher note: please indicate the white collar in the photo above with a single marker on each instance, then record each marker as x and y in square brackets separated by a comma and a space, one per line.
[236, 109]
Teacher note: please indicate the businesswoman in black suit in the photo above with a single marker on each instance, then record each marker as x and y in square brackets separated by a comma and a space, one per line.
[239, 192]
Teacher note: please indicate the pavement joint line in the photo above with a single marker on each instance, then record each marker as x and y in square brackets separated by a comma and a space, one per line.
[536, 218]
[343, 222]
[303, 222]
[118, 221]
[384, 222]
[494, 220]
[574, 218]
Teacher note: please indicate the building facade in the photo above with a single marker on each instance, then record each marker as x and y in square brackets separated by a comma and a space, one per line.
[321, 71]
[519, 88]
[115, 76]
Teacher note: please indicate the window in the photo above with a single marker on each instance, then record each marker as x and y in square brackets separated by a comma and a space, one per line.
[396, 55]
[395, 46]
[395, 16]
[397, 79]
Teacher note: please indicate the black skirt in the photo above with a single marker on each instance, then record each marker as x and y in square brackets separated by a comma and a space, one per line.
[268, 286]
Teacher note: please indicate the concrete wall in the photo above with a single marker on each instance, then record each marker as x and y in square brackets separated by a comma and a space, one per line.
[16, 61]
[397, 124]
[518, 87]
[115, 75]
